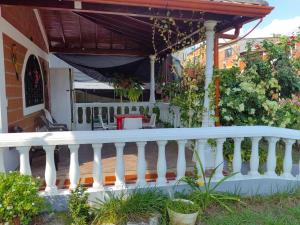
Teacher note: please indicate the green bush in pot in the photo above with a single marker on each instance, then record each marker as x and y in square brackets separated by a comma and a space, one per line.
[182, 212]
[19, 198]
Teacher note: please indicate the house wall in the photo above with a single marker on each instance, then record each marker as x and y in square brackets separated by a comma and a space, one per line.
[20, 27]
[27, 24]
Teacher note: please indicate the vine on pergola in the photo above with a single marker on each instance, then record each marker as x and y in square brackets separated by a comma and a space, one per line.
[176, 36]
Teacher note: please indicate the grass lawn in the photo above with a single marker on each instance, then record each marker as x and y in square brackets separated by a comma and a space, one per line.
[280, 209]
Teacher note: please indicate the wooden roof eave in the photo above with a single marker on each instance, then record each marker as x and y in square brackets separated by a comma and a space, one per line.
[229, 8]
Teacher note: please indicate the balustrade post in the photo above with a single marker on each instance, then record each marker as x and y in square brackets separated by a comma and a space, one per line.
[50, 170]
[271, 159]
[181, 162]
[254, 160]
[24, 160]
[201, 154]
[237, 158]
[120, 169]
[74, 171]
[2, 167]
[84, 122]
[97, 167]
[141, 165]
[219, 162]
[288, 160]
[161, 163]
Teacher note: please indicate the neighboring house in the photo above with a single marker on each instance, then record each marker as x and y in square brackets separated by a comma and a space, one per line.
[230, 54]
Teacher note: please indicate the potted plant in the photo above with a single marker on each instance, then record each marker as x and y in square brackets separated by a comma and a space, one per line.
[182, 212]
[19, 198]
[140, 206]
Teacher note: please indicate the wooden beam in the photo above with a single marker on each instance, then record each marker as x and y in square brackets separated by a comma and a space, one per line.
[181, 8]
[61, 28]
[97, 51]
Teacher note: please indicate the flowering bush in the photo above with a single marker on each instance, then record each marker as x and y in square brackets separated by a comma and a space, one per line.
[19, 198]
[259, 95]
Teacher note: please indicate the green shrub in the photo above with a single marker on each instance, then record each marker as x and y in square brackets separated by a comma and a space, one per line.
[135, 207]
[79, 208]
[182, 207]
[19, 198]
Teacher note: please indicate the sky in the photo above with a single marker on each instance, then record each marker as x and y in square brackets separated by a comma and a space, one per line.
[284, 19]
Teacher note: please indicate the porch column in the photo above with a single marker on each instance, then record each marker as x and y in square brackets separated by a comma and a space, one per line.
[207, 121]
[152, 79]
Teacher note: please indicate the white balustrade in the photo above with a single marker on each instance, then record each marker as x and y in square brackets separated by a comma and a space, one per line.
[50, 170]
[219, 162]
[181, 162]
[288, 161]
[271, 159]
[74, 172]
[97, 167]
[161, 136]
[237, 158]
[120, 168]
[254, 160]
[201, 143]
[24, 160]
[141, 165]
[161, 163]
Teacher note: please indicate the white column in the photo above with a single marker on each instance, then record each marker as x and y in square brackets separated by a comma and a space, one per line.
[237, 158]
[254, 160]
[288, 160]
[201, 143]
[271, 159]
[24, 160]
[3, 100]
[181, 162]
[207, 121]
[2, 167]
[120, 168]
[152, 79]
[141, 165]
[74, 171]
[161, 163]
[97, 167]
[50, 171]
[219, 162]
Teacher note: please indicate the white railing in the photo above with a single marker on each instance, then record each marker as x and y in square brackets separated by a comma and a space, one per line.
[83, 112]
[23, 141]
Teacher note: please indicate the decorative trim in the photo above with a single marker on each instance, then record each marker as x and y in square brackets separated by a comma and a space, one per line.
[3, 100]
[41, 26]
[16, 35]
[35, 108]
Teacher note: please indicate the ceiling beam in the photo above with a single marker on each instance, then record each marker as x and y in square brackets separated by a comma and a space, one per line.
[61, 28]
[97, 51]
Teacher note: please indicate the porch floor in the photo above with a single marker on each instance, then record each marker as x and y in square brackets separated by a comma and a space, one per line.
[108, 163]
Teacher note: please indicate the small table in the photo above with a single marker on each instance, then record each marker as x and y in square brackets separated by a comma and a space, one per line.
[121, 117]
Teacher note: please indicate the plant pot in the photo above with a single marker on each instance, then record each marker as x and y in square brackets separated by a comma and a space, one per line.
[180, 218]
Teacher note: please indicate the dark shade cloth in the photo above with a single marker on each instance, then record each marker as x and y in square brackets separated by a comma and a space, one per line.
[105, 68]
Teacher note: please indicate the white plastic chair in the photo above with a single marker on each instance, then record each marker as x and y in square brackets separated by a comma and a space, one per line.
[132, 123]
[104, 126]
[152, 122]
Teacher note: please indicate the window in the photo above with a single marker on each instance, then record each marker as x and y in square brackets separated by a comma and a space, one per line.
[33, 83]
[228, 52]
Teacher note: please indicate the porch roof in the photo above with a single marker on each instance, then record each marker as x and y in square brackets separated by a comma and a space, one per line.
[124, 27]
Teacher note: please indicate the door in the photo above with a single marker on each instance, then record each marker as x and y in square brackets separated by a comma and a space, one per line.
[61, 99]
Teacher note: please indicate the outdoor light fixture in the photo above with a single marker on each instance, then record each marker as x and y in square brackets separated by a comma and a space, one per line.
[77, 5]
[14, 59]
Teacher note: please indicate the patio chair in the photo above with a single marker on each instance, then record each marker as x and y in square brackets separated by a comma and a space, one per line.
[152, 122]
[51, 124]
[101, 125]
[132, 123]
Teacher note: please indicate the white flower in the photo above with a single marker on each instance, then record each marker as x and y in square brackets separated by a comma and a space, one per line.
[241, 107]
[9, 207]
[252, 111]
